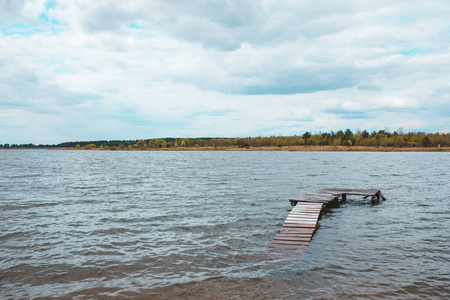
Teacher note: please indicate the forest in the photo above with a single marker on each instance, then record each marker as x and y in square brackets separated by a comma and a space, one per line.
[346, 138]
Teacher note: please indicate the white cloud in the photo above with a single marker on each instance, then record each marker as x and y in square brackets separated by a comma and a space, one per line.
[138, 69]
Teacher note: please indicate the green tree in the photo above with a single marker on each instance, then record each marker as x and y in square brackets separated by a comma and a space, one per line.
[306, 136]
[426, 141]
[340, 135]
[141, 144]
[281, 141]
[349, 140]
[378, 138]
[364, 135]
[326, 139]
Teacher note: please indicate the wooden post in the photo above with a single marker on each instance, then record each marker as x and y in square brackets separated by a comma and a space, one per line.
[373, 200]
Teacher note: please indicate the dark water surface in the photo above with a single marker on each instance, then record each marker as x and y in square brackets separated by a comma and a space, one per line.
[192, 225]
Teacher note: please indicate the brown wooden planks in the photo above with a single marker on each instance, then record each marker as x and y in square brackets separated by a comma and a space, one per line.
[299, 229]
[300, 220]
[297, 214]
[298, 225]
[302, 200]
[311, 204]
[294, 237]
[297, 221]
[312, 216]
[306, 209]
[312, 199]
[294, 217]
[296, 232]
[300, 217]
[356, 192]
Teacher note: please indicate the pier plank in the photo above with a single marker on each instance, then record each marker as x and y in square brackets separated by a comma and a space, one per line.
[285, 242]
[294, 236]
[300, 221]
[293, 216]
[356, 192]
[299, 225]
[301, 218]
[297, 230]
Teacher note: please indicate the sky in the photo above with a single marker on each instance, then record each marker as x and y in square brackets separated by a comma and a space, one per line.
[90, 70]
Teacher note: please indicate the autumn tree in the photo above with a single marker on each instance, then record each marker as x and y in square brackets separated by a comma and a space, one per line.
[90, 146]
[141, 144]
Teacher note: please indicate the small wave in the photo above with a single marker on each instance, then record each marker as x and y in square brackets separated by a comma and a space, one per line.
[113, 231]
[12, 207]
[201, 228]
[15, 234]
[88, 187]
[103, 253]
[24, 176]
[27, 206]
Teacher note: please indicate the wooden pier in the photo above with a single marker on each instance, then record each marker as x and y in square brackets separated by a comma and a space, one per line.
[295, 235]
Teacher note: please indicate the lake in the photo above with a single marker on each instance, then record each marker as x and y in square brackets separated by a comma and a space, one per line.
[193, 225]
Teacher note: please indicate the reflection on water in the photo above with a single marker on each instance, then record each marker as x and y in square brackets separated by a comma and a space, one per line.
[193, 225]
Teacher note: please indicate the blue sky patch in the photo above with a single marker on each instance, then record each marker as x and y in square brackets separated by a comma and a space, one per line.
[20, 29]
[60, 70]
[134, 25]
[49, 4]
[43, 17]
[414, 51]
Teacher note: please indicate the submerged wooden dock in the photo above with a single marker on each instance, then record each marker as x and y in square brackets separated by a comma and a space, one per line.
[294, 237]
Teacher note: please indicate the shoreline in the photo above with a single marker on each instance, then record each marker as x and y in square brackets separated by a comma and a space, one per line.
[264, 148]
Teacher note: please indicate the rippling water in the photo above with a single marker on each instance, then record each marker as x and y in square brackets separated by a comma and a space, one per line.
[190, 225]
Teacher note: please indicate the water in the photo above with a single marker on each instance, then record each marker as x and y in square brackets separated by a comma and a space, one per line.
[192, 225]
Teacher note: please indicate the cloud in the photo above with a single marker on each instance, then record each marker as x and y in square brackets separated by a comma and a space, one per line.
[141, 69]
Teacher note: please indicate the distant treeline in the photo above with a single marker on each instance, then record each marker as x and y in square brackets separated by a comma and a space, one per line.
[379, 138]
